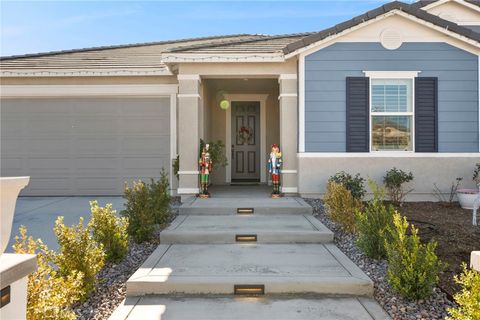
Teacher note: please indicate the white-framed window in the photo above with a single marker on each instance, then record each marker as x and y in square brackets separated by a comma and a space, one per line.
[392, 109]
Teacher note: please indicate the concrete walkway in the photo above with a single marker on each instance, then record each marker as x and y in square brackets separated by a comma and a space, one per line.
[201, 266]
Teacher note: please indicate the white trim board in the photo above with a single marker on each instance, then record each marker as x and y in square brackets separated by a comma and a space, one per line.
[387, 155]
[289, 189]
[173, 135]
[194, 172]
[262, 98]
[116, 90]
[188, 190]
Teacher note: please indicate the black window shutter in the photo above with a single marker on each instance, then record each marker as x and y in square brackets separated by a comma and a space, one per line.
[358, 112]
[426, 114]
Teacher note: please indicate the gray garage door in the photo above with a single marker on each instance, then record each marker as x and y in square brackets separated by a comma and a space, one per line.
[84, 146]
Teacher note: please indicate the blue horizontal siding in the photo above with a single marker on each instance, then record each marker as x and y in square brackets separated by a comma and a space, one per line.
[325, 98]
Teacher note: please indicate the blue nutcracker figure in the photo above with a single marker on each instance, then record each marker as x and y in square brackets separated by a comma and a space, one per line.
[274, 166]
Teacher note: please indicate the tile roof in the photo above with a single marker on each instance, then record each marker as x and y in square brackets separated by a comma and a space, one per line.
[140, 55]
[149, 55]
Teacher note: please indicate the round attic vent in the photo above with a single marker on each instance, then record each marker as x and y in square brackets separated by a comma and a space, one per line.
[391, 39]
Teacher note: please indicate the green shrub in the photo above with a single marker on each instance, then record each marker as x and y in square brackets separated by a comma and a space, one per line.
[79, 252]
[160, 198]
[413, 267]
[109, 230]
[341, 205]
[373, 224]
[394, 181]
[468, 299]
[146, 206]
[354, 184]
[141, 220]
[49, 295]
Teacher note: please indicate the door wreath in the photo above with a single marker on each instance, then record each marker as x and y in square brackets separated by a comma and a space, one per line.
[245, 135]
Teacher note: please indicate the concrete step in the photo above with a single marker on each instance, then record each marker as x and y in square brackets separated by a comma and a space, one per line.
[263, 308]
[219, 268]
[231, 205]
[231, 229]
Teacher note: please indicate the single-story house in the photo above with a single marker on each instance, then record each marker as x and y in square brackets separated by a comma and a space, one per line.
[396, 86]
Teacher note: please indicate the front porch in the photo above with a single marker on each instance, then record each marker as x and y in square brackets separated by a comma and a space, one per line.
[264, 106]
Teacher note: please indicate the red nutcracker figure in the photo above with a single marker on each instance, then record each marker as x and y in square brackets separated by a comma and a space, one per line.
[274, 166]
[206, 167]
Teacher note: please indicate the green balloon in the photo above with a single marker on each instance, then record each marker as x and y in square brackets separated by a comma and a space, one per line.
[224, 104]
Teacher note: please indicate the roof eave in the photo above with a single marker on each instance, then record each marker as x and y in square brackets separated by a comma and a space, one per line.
[14, 72]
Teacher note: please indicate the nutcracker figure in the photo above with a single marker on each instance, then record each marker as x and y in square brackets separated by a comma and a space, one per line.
[274, 166]
[206, 167]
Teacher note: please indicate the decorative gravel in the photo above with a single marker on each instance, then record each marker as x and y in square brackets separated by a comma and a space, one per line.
[399, 309]
[113, 277]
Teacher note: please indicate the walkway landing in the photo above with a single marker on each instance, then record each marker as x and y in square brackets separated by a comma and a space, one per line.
[228, 199]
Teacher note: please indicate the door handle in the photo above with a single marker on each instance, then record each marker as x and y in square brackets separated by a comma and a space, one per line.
[233, 151]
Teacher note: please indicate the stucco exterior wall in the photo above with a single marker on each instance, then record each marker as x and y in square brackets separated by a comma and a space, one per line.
[427, 170]
[325, 96]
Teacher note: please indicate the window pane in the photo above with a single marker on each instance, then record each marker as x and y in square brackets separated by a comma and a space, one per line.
[392, 133]
[391, 95]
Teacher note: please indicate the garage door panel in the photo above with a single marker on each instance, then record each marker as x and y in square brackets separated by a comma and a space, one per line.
[144, 126]
[106, 184]
[12, 166]
[54, 185]
[54, 146]
[99, 125]
[147, 163]
[146, 145]
[51, 126]
[57, 164]
[147, 107]
[86, 146]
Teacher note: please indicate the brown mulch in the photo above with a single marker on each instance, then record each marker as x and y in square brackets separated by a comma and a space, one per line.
[451, 227]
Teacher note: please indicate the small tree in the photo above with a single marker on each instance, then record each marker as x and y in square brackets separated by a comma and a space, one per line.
[413, 267]
[394, 181]
[373, 224]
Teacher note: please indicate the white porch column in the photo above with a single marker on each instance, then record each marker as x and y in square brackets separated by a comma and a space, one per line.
[289, 131]
[188, 132]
